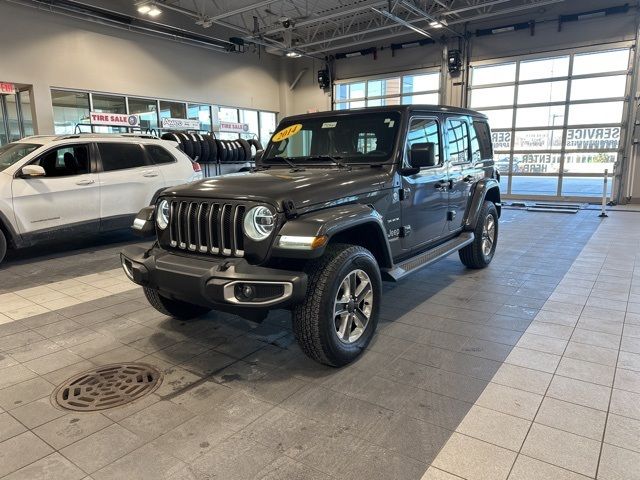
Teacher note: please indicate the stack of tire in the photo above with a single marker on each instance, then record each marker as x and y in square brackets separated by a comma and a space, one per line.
[208, 149]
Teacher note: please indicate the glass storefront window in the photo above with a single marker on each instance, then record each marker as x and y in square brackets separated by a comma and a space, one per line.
[69, 109]
[25, 110]
[172, 109]
[250, 117]
[202, 113]
[147, 109]
[267, 127]
[108, 104]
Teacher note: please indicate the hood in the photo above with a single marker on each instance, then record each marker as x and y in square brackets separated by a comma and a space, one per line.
[305, 188]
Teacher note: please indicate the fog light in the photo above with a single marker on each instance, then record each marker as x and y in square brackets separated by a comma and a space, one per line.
[245, 292]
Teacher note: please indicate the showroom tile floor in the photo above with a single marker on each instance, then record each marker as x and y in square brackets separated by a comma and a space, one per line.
[529, 369]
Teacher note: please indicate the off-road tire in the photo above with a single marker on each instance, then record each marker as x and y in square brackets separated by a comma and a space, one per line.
[174, 308]
[313, 319]
[472, 255]
[3, 246]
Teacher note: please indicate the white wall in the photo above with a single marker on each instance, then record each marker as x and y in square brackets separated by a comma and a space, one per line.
[46, 50]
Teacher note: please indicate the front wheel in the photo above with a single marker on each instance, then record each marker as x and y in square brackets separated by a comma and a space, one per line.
[174, 308]
[479, 253]
[338, 317]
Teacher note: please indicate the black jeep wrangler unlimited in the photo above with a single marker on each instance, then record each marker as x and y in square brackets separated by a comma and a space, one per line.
[337, 202]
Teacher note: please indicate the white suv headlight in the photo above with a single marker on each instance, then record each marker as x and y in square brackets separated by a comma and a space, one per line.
[259, 223]
[162, 214]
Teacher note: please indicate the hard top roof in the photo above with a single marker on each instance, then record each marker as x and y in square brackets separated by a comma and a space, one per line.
[392, 108]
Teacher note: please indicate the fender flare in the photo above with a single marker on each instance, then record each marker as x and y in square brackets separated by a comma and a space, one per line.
[477, 199]
[332, 221]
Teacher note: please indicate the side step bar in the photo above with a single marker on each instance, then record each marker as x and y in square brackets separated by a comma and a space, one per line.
[412, 264]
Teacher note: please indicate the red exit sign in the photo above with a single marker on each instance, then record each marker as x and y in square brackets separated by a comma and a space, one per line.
[7, 88]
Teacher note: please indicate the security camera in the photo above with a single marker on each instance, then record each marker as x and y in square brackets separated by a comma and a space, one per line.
[286, 22]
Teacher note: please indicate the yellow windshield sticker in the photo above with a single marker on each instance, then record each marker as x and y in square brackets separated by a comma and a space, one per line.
[290, 131]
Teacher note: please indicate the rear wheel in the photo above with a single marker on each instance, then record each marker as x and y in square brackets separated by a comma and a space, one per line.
[479, 253]
[339, 315]
[174, 308]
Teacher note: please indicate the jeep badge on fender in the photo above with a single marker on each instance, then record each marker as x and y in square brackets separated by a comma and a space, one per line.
[337, 203]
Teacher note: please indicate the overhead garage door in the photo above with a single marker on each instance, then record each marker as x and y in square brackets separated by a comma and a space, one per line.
[557, 121]
[405, 89]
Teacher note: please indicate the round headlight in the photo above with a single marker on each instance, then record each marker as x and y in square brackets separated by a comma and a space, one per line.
[162, 215]
[259, 223]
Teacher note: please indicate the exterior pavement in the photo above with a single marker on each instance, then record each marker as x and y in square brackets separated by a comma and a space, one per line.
[525, 370]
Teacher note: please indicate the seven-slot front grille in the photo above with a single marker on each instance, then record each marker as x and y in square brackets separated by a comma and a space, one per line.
[207, 227]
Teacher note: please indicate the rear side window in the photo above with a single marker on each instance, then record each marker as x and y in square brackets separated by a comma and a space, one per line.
[118, 156]
[482, 139]
[159, 155]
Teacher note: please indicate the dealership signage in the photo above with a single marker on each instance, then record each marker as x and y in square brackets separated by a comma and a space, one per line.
[233, 127]
[7, 88]
[114, 119]
[180, 124]
[593, 138]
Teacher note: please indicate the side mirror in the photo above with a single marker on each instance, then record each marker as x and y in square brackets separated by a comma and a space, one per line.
[423, 155]
[30, 171]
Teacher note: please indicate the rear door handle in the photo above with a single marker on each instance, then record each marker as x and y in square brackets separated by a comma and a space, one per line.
[85, 182]
[150, 173]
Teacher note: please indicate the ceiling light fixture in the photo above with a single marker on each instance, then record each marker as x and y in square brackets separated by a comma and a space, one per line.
[293, 54]
[144, 9]
[154, 12]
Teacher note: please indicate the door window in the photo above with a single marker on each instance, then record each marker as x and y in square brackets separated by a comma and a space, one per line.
[118, 156]
[159, 155]
[65, 161]
[458, 139]
[424, 130]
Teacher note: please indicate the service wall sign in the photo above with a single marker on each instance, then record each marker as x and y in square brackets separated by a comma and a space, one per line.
[232, 127]
[180, 124]
[114, 119]
[7, 88]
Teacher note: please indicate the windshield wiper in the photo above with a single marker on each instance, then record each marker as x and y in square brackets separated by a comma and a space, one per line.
[288, 162]
[335, 160]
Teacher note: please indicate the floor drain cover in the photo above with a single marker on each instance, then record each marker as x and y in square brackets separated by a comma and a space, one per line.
[107, 387]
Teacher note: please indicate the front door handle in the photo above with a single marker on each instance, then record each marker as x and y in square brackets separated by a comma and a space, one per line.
[150, 174]
[85, 182]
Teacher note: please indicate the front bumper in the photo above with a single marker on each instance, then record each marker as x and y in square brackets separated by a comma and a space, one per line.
[217, 282]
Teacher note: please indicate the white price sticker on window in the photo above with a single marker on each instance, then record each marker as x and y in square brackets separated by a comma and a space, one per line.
[329, 124]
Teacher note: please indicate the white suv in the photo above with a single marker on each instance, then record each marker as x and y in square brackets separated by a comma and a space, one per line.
[52, 186]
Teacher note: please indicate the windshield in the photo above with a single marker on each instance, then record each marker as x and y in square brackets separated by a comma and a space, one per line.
[353, 138]
[14, 152]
